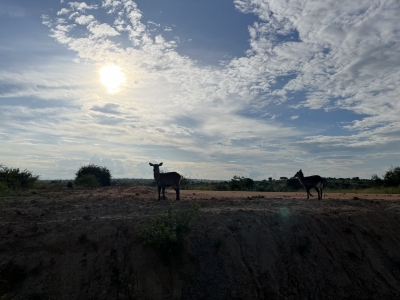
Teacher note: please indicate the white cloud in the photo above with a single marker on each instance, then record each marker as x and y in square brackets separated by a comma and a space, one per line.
[63, 11]
[83, 20]
[322, 58]
[102, 30]
[81, 6]
[334, 54]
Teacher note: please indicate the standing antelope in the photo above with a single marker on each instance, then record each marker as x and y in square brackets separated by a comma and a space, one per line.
[310, 182]
[164, 180]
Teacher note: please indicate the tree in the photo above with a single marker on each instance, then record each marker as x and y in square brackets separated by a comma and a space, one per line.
[283, 178]
[13, 178]
[88, 181]
[377, 181]
[392, 177]
[101, 174]
[269, 178]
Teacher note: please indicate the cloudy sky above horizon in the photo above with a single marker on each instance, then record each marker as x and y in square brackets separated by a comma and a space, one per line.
[213, 89]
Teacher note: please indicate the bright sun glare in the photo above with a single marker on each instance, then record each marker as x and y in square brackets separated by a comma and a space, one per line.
[112, 77]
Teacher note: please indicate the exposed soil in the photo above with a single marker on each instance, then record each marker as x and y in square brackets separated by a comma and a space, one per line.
[245, 245]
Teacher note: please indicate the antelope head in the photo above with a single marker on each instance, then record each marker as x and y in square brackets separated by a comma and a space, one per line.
[299, 174]
[156, 167]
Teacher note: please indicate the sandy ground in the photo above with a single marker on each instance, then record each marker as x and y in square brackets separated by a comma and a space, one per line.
[148, 193]
[275, 195]
[77, 244]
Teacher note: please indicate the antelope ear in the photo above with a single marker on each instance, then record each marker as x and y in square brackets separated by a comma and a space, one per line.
[151, 164]
[160, 164]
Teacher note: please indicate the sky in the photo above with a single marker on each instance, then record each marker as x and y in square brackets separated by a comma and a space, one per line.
[213, 89]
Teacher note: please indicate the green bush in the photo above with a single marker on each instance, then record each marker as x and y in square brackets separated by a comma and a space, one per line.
[220, 186]
[376, 180]
[184, 183]
[166, 233]
[88, 181]
[293, 184]
[4, 189]
[392, 177]
[54, 185]
[238, 183]
[102, 175]
[14, 179]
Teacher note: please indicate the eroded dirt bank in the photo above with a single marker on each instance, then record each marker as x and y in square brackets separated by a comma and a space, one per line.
[84, 245]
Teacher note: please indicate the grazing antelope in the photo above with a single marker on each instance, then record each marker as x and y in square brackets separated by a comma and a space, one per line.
[310, 182]
[164, 180]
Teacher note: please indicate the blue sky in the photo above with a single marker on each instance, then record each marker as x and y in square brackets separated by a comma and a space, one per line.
[213, 89]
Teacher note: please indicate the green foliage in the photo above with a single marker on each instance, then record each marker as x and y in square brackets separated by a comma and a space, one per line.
[238, 183]
[14, 179]
[392, 177]
[293, 184]
[54, 185]
[166, 233]
[376, 180]
[101, 174]
[88, 181]
[221, 186]
[4, 189]
[184, 183]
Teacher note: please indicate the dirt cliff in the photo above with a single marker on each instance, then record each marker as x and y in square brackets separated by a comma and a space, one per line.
[84, 245]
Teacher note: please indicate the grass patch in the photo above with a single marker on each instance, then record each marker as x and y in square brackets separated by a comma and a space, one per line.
[166, 233]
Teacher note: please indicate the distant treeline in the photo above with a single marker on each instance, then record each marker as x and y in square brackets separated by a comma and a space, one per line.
[390, 183]
[281, 185]
[13, 179]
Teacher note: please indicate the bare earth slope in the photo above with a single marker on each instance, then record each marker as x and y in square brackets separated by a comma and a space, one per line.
[84, 245]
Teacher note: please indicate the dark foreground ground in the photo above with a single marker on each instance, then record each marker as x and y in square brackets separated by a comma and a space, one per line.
[84, 245]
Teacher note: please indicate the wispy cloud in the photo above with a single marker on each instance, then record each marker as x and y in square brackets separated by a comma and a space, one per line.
[303, 56]
[336, 52]
[12, 11]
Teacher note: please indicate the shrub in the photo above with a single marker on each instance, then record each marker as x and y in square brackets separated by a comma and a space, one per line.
[88, 181]
[238, 183]
[184, 183]
[15, 179]
[4, 189]
[392, 177]
[294, 184]
[220, 186]
[376, 180]
[166, 233]
[101, 174]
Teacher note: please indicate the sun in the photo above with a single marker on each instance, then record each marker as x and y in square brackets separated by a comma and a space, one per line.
[112, 78]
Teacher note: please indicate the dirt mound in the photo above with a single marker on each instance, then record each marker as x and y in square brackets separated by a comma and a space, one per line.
[84, 245]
